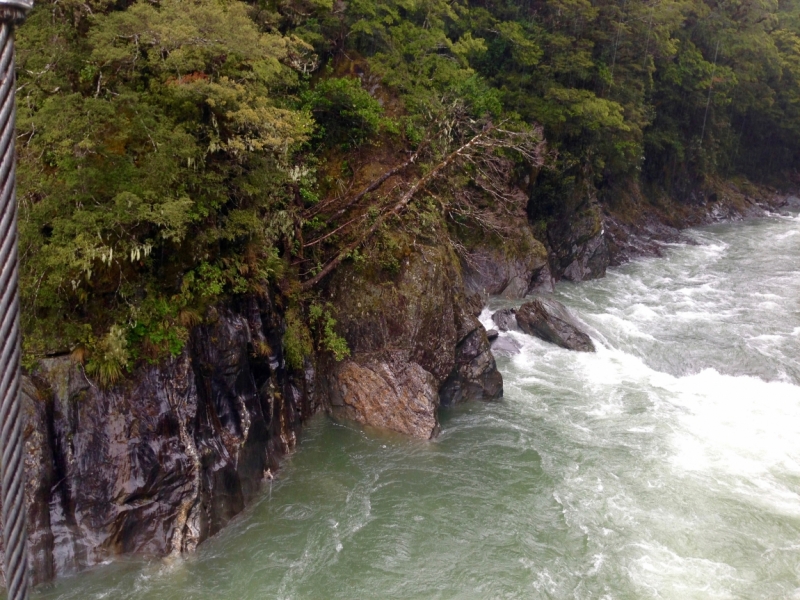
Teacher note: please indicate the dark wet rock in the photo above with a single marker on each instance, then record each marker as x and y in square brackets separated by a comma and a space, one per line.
[506, 319]
[492, 335]
[505, 346]
[475, 376]
[647, 237]
[416, 327]
[550, 320]
[579, 246]
[159, 463]
[792, 202]
[512, 267]
[567, 215]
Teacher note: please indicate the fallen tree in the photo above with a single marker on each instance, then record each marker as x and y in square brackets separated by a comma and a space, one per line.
[484, 151]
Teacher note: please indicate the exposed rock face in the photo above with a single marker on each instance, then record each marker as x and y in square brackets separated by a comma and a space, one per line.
[158, 464]
[415, 328]
[636, 226]
[401, 397]
[550, 320]
[475, 375]
[513, 268]
[569, 218]
[579, 247]
[627, 242]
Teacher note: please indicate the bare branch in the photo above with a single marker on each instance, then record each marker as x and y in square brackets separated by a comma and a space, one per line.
[483, 156]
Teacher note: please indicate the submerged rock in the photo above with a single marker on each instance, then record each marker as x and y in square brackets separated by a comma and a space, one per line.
[550, 320]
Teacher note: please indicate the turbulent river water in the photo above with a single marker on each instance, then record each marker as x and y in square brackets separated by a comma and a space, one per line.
[666, 465]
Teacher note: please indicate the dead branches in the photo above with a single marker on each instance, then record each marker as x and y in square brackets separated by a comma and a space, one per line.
[486, 157]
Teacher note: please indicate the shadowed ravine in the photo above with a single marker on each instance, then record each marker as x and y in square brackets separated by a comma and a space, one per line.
[665, 465]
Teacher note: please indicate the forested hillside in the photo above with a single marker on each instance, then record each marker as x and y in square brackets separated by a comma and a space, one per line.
[176, 153]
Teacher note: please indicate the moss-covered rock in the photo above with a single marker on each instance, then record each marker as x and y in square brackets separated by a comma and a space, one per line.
[510, 266]
[413, 340]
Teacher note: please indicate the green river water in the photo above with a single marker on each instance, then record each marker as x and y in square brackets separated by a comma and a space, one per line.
[666, 465]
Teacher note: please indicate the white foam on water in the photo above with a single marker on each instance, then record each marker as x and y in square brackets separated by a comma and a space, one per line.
[662, 573]
[737, 425]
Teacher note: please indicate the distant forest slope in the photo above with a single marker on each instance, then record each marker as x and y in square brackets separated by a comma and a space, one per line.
[177, 152]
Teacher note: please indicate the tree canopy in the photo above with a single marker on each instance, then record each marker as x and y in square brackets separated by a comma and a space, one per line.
[176, 152]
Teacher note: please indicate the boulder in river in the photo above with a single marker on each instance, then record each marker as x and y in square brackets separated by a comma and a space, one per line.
[550, 320]
[506, 319]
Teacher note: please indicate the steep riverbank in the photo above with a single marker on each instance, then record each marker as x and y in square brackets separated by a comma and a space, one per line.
[160, 463]
[664, 465]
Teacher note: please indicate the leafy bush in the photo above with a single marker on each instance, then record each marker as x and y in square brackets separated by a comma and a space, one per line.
[347, 115]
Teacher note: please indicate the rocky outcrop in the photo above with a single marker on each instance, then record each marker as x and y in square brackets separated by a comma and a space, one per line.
[396, 395]
[415, 344]
[475, 375]
[157, 464]
[637, 226]
[578, 244]
[569, 219]
[550, 320]
[511, 267]
[646, 237]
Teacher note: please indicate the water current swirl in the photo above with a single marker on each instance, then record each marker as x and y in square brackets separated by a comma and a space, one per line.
[666, 465]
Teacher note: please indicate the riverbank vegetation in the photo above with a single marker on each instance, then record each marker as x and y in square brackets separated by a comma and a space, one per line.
[178, 152]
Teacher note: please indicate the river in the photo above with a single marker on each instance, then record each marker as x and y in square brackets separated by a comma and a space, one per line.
[666, 465]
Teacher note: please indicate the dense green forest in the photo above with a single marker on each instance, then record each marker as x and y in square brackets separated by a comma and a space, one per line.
[177, 152]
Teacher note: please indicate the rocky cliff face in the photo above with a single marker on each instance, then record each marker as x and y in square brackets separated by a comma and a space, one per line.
[160, 463]
[415, 341]
[510, 267]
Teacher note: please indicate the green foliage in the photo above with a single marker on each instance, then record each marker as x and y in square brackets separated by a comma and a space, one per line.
[156, 161]
[109, 358]
[173, 153]
[297, 344]
[325, 325]
[346, 113]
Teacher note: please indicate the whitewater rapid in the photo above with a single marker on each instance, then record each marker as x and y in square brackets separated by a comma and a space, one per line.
[665, 465]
